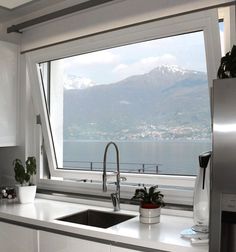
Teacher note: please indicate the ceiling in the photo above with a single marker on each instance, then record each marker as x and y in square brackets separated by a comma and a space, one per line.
[13, 3]
[27, 7]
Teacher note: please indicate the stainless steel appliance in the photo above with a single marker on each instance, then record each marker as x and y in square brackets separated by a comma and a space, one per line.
[223, 168]
[228, 223]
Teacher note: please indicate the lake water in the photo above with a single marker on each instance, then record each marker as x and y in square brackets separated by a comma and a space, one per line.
[164, 157]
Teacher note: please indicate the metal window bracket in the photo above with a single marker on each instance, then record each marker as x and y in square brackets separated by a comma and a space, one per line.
[69, 10]
[38, 120]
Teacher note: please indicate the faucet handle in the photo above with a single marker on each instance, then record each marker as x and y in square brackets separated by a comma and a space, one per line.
[115, 173]
[115, 201]
[111, 174]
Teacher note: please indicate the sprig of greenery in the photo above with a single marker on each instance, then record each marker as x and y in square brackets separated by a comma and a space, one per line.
[227, 67]
[151, 196]
[22, 174]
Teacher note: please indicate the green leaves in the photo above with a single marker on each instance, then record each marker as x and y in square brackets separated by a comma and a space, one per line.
[152, 189]
[31, 166]
[157, 199]
[140, 194]
[227, 67]
[19, 171]
[152, 196]
[22, 174]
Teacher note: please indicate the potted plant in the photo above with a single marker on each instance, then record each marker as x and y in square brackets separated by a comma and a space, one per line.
[151, 202]
[23, 175]
[227, 67]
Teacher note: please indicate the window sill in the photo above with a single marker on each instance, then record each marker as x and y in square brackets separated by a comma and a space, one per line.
[103, 201]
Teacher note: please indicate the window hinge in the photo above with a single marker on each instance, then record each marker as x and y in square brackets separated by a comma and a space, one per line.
[38, 119]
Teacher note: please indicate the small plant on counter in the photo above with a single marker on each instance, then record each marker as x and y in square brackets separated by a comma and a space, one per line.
[227, 67]
[26, 191]
[151, 198]
[23, 175]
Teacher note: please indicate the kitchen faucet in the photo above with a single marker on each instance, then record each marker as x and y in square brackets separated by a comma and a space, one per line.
[115, 197]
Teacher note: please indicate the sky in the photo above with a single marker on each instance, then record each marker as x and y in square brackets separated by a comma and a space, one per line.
[111, 65]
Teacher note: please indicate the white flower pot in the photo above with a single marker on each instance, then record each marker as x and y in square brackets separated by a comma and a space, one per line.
[26, 194]
[149, 215]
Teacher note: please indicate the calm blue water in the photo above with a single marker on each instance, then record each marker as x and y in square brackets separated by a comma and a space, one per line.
[168, 157]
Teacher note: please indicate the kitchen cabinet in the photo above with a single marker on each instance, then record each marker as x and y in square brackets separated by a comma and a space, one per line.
[61, 243]
[16, 238]
[8, 93]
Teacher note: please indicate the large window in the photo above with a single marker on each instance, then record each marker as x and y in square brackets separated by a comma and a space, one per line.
[151, 98]
[144, 87]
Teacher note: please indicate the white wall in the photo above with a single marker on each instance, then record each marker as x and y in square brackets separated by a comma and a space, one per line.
[13, 37]
[105, 17]
[7, 155]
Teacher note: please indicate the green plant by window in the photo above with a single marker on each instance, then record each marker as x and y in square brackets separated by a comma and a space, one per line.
[227, 67]
[23, 174]
[149, 198]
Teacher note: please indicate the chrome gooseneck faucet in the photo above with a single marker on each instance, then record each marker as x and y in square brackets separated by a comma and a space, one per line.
[115, 197]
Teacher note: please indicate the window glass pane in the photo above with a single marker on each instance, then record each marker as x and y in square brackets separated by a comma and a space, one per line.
[44, 73]
[151, 98]
[222, 38]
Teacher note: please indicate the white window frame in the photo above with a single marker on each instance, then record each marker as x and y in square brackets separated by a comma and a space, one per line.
[206, 21]
[229, 17]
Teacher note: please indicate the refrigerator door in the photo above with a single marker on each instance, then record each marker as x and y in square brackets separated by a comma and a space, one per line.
[224, 135]
[223, 169]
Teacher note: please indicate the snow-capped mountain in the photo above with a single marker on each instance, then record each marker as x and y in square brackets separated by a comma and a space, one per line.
[77, 82]
[170, 68]
[168, 97]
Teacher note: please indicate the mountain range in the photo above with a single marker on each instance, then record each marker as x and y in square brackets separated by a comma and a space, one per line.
[166, 103]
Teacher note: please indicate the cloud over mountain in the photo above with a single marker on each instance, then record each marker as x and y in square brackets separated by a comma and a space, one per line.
[76, 82]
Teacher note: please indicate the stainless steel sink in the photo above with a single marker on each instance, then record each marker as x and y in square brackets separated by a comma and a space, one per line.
[97, 218]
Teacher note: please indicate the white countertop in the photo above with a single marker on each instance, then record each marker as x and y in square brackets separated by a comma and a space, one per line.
[163, 236]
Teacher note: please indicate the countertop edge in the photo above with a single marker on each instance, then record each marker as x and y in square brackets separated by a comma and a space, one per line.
[94, 234]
